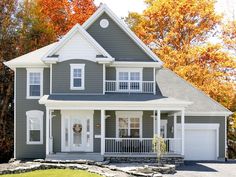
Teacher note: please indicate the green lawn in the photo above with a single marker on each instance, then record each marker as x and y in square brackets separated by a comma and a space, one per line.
[54, 173]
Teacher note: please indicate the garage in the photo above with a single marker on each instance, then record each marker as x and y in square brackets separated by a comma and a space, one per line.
[201, 141]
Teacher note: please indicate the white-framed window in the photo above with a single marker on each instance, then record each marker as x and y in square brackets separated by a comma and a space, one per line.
[34, 83]
[34, 124]
[129, 124]
[129, 79]
[77, 76]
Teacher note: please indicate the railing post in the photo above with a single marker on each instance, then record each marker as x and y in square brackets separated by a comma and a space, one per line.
[182, 130]
[102, 132]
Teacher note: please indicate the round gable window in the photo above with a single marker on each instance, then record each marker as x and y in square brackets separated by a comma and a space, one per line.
[104, 23]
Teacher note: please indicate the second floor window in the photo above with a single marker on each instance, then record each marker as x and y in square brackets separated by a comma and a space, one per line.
[34, 83]
[129, 79]
[77, 76]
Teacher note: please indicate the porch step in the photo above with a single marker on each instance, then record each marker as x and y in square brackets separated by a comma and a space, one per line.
[75, 156]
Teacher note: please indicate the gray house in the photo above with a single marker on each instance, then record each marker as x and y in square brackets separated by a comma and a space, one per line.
[100, 91]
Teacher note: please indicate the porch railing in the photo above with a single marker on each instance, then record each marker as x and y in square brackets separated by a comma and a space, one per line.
[140, 145]
[130, 86]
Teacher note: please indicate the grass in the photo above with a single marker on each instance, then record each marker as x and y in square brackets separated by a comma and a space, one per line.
[54, 173]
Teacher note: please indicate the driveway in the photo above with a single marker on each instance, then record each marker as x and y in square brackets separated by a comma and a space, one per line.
[206, 169]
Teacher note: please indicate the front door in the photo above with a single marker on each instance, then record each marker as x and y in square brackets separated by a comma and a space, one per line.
[77, 131]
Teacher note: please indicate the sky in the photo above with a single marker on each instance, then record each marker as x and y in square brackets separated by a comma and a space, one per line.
[122, 7]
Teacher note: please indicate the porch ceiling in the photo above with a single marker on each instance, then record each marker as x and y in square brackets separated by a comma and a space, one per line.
[110, 101]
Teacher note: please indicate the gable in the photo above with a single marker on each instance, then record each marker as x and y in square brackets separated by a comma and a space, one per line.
[77, 47]
[116, 42]
[171, 85]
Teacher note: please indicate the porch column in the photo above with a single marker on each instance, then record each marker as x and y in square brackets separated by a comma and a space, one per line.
[182, 131]
[47, 131]
[102, 132]
[50, 133]
[158, 125]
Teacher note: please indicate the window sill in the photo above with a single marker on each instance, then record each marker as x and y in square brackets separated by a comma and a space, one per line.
[34, 143]
[77, 88]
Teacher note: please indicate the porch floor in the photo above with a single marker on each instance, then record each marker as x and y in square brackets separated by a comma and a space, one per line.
[75, 156]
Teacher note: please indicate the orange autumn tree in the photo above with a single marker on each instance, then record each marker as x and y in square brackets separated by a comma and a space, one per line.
[64, 14]
[177, 32]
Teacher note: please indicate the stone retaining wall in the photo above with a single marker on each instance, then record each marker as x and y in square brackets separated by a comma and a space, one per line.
[165, 160]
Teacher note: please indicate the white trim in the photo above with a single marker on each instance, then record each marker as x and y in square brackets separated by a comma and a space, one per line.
[128, 115]
[39, 115]
[68, 36]
[104, 78]
[123, 26]
[210, 113]
[182, 131]
[135, 64]
[154, 124]
[68, 114]
[158, 123]
[154, 79]
[47, 143]
[77, 66]
[34, 70]
[15, 114]
[50, 78]
[103, 133]
[200, 126]
[226, 138]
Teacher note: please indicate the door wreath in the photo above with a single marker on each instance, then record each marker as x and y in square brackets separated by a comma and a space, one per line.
[77, 128]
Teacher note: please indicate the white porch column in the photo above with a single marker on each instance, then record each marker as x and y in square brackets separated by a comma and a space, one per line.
[158, 125]
[47, 131]
[102, 132]
[182, 130]
[50, 133]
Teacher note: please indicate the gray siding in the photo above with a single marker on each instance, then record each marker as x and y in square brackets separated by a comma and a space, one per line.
[116, 42]
[147, 74]
[97, 131]
[23, 150]
[110, 124]
[147, 124]
[93, 77]
[56, 131]
[211, 119]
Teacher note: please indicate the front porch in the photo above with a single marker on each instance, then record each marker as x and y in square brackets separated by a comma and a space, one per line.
[115, 129]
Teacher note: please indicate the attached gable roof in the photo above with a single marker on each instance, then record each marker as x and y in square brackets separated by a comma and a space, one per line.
[104, 9]
[171, 85]
[31, 59]
[50, 55]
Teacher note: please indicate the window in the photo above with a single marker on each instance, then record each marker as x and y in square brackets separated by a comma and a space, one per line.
[34, 83]
[129, 79]
[128, 124]
[77, 76]
[34, 127]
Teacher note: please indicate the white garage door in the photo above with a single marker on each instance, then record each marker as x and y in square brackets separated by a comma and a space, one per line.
[200, 141]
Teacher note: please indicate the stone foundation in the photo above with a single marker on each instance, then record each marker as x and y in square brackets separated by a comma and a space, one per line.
[165, 160]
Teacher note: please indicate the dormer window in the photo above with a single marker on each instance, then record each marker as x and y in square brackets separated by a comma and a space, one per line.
[77, 76]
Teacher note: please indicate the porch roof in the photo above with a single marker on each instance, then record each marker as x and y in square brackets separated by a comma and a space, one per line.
[141, 101]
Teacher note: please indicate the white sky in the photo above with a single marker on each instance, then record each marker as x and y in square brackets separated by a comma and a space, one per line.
[122, 7]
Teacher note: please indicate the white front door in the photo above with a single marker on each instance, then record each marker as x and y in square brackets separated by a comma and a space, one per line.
[77, 131]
